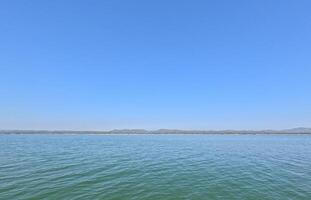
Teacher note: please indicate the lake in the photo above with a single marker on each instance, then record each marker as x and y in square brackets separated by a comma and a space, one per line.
[155, 167]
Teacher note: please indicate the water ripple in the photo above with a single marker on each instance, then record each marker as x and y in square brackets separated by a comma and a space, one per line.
[155, 167]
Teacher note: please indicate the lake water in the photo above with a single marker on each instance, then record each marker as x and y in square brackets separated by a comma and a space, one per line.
[155, 167]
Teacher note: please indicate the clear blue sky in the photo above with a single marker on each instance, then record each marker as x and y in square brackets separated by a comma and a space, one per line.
[102, 65]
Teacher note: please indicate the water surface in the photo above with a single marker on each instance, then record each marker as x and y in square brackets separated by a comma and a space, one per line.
[149, 167]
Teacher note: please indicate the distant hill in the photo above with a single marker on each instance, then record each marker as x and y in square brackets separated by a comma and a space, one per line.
[300, 130]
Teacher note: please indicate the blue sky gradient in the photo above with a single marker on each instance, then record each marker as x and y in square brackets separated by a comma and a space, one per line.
[98, 65]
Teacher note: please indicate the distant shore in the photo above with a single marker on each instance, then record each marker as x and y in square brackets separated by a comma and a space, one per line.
[162, 131]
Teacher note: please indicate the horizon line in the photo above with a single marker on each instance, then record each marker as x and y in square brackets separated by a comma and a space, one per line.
[151, 130]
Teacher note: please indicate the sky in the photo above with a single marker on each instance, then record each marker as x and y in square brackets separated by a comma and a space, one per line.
[101, 65]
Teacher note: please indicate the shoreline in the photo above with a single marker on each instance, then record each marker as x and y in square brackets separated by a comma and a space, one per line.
[294, 131]
[153, 134]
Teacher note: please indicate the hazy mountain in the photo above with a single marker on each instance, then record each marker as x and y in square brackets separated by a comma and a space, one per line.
[300, 130]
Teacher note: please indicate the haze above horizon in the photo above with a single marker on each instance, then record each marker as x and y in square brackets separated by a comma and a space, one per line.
[100, 65]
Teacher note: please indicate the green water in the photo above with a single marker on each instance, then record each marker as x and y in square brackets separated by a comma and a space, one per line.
[155, 167]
